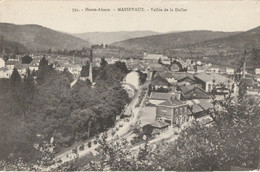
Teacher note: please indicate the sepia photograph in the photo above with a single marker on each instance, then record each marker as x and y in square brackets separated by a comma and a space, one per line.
[129, 85]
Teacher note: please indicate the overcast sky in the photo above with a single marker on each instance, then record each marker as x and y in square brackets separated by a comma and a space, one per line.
[200, 15]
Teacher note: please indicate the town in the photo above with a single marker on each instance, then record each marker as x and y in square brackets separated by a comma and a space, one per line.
[173, 94]
[135, 88]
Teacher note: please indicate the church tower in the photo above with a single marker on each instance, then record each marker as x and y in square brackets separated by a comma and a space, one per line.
[90, 66]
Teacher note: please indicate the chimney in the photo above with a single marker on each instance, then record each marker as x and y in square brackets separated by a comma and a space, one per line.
[90, 66]
[244, 68]
[178, 95]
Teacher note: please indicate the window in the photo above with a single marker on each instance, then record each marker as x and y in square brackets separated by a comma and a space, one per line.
[176, 112]
[209, 87]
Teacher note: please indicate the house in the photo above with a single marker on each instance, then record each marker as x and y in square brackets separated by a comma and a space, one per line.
[251, 86]
[200, 69]
[159, 125]
[10, 64]
[175, 68]
[199, 107]
[190, 69]
[160, 84]
[2, 63]
[213, 69]
[230, 71]
[190, 92]
[257, 71]
[188, 61]
[33, 66]
[154, 58]
[74, 69]
[169, 76]
[5, 72]
[158, 97]
[175, 112]
[22, 69]
[157, 67]
[248, 83]
[186, 80]
[212, 81]
[222, 70]
[199, 63]
[200, 111]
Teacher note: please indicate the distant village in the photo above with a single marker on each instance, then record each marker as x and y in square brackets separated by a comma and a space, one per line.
[176, 92]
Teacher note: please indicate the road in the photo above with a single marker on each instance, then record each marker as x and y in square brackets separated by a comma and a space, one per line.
[122, 131]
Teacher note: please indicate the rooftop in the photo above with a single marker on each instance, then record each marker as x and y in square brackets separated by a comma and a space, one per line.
[172, 103]
[164, 113]
[160, 81]
[159, 124]
[248, 81]
[212, 76]
[161, 96]
[154, 57]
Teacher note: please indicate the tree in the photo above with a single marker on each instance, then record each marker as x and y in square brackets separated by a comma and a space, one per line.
[103, 63]
[160, 61]
[121, 66]
[231, 140]
[118, 155]
[44, 70]
[85, 70]
[26, 59]
[15, 78]
[142, 77]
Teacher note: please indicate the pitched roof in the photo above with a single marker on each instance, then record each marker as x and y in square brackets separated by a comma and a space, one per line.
[160, 81]
[180, 75]
[161, 96]
[22, 66]
[212, 76]
[158, 68]
[204, 77]
[166, 74]
[154, 57]
[247, 81]
[200, 105]
[11, 62]
[175, 67]
[200, 68]
[172, 102]
[159, 124]
[187, 88]
[164, 112]
[4, 69]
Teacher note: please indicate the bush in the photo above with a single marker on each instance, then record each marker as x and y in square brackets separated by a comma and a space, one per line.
[89, 144]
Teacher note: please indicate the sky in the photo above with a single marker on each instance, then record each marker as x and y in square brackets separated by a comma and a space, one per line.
[200, 15]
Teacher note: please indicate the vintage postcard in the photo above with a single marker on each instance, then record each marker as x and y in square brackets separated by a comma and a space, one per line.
[129, 85]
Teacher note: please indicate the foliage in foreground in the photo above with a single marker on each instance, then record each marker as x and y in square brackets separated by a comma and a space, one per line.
[232, 140]
[33, 111]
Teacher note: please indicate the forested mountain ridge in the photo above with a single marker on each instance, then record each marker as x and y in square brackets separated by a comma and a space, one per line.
[36, 37]
[171, 40]
[111, 37]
